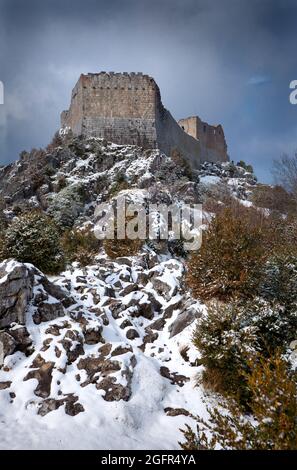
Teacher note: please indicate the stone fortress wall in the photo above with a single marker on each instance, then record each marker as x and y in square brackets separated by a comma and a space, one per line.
[127, 109]
[212, 138]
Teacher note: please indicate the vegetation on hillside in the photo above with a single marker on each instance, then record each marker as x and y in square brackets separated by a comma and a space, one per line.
[271, 423]
[34, 238]
[246, 270]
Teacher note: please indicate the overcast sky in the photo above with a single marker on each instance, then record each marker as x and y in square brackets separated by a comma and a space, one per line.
[228, 61]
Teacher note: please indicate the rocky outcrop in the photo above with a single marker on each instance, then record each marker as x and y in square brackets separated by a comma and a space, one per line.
[174, 377]
[24, 288]
[8, 344]
[184, 319]
[44, 377]
[16, 290]
[17, 281]
[91, 333]
[72, 406]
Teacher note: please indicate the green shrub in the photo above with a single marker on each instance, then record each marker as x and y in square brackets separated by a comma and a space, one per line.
[275, 325]
[80, 245]
[231, 258]
[3, 220]
[282, 235]
[120, 184]
[230, 334]
[246, 166]
[280, 280]
[34, 238]
[225, 337]
[118, 248]
[272, 424]
[56, 142]
[67, 205]
[61, 183]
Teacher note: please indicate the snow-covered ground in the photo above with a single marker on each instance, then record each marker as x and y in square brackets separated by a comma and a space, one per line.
[105, 369]
[137, 423]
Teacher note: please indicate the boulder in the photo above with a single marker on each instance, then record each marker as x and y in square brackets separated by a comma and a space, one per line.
[115, 307]
[141, 278]
[48, 311]
[93, 335]
[72, 407]
[14, 339]
[48, 405]
[142, 304]
[144, 310]
[73, 345]
[158, 324]
[128, 289]
[125, 324]
[44, 377]
[174, 305]
[150, 337]
[119, 350]
[156, 305]
[163, 289]
[96, 365]
[105, 349]
[22, 338]
[16, 292]
[117, 391]
[8, 345]
[174, 377]
[183, 320]
[176, 412]
[132, 334]
[55, 291]
[5, 385]
[124, 261]
[16, 288]
[114, 391]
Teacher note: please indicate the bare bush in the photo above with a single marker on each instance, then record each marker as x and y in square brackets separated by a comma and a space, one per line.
[285, 172]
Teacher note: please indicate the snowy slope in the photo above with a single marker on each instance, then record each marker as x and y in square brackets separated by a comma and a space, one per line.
[139, 422]
[115, 368]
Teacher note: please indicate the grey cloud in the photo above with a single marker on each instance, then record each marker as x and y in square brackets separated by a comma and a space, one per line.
[203, 53]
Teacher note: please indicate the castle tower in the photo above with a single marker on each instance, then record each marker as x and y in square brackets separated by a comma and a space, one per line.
[212, 138]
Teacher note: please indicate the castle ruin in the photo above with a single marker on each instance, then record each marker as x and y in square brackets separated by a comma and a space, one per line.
[127, 109]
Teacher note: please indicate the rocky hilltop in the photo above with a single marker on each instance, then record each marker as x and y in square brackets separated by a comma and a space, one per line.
[105, 345]
[69, 179]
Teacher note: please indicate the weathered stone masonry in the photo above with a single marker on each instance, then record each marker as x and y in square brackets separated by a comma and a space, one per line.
[127, 109]
[212, 138]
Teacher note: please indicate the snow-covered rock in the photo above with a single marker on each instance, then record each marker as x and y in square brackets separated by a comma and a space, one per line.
[101, 347]
[16, 286]
[106, 350]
